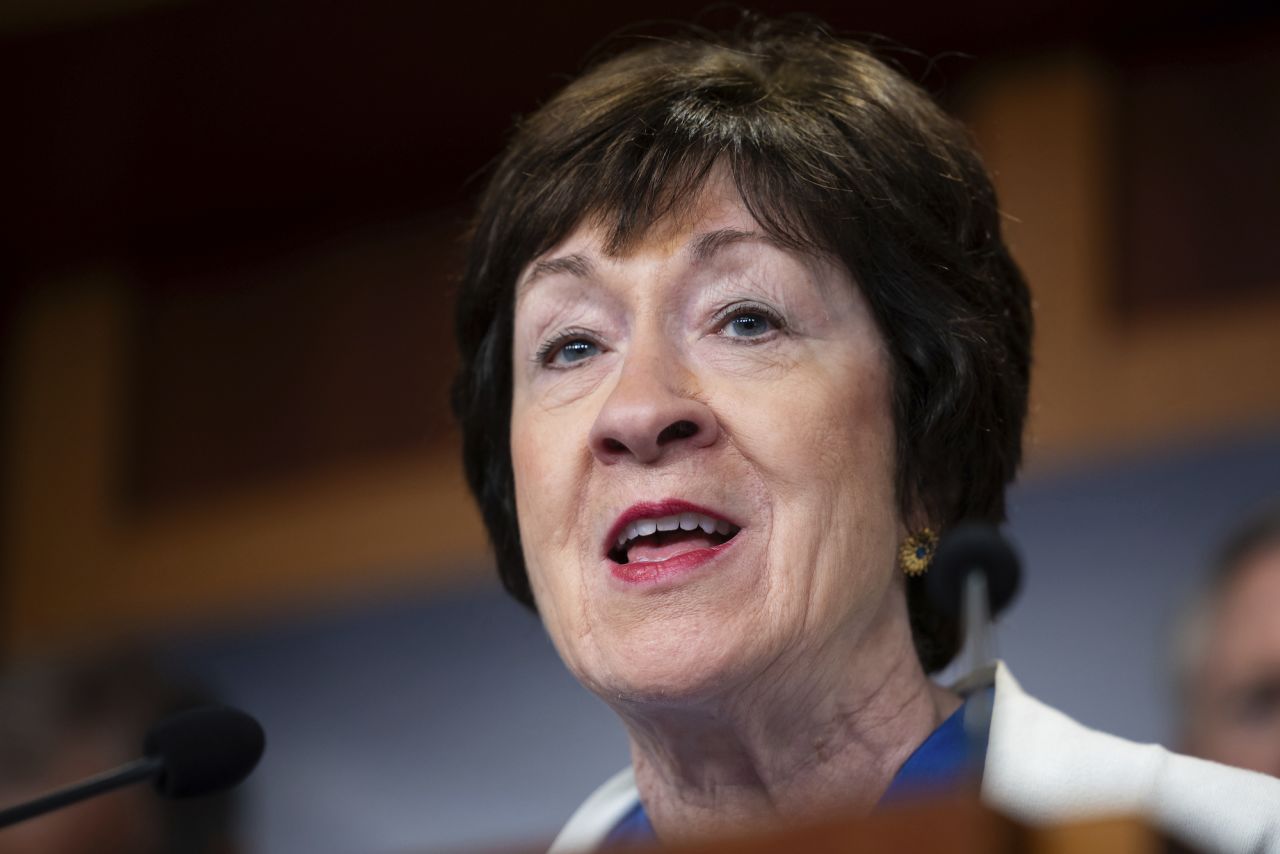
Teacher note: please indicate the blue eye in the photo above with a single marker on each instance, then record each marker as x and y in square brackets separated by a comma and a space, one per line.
[750, 322]
[748, 325]
[566, 351]
[572, 351]
[568, 348]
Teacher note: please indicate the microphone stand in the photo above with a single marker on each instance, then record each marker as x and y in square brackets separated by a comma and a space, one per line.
[974, 576]
[136, 771]
[980, 644]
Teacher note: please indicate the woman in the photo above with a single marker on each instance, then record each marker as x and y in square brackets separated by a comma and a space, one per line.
[739, 333]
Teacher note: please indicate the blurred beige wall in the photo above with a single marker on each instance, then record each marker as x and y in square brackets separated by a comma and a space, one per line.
[1104, 383]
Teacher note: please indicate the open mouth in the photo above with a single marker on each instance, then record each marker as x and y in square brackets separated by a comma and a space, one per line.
[659, 538]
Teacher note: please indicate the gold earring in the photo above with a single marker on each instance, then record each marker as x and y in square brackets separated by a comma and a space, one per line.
[916, 552]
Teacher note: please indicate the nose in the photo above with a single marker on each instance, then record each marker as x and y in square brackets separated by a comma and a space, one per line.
[650, 414]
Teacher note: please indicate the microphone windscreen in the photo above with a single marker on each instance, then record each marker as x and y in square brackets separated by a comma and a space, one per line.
[204, 750]
[963, 549]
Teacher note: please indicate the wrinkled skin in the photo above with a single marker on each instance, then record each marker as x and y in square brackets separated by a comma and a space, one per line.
[764, 682]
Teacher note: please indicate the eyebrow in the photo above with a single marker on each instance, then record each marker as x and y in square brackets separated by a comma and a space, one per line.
[706, 245]
[701, 248]
[578, 266]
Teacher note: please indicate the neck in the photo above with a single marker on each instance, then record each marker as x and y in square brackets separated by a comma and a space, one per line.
[797, 742]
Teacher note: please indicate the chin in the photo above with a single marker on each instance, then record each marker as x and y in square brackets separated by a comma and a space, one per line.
[674, 662]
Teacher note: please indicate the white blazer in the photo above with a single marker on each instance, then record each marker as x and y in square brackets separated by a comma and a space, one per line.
[1042, 767]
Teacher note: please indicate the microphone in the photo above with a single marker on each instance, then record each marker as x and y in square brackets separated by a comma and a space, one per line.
[966, 549]
[191, 753]
[975, 575]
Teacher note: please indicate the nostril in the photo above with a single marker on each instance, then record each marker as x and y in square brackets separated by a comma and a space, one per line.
[614, 446]
[676, 431]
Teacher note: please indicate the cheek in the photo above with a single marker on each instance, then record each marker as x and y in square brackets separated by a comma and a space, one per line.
[823, 442]
[856, 448]
[544, 446]
[549, 483]
[830, 428]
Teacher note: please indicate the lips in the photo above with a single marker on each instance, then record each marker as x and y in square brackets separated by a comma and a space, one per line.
[657, 532]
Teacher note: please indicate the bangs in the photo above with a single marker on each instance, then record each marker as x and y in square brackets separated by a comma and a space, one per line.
[644, 154]
[629, 190]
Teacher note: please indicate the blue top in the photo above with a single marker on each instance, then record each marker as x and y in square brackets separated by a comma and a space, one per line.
[943, 761]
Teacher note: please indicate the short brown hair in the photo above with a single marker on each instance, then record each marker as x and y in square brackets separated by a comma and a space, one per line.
[832, 151]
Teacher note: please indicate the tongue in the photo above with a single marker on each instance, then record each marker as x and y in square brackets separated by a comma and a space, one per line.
[668, 544]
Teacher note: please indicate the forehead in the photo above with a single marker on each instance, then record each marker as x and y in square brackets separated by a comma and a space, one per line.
[715, 215]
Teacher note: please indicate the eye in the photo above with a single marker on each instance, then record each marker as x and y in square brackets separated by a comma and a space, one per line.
[575, 351]
[749, 321]
[748, 325]
[567, 349]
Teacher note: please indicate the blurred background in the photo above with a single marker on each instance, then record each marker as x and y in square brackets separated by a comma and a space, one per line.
[229, 233]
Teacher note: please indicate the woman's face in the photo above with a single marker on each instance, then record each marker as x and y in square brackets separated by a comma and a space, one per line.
[714, 382]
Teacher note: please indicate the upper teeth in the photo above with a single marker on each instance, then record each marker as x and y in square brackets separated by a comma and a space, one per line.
[681, 521]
